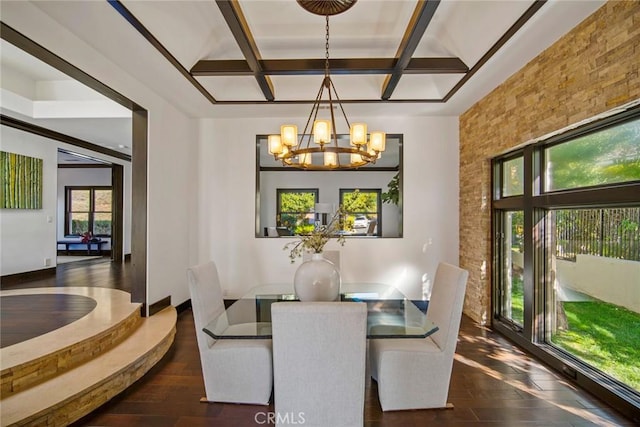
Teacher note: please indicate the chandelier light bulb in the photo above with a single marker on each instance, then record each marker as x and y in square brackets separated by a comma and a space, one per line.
[358, 133]
[322, 131]
[330, 159]
[305, 159]
[274, 144]
[377, 141]
[289, 135]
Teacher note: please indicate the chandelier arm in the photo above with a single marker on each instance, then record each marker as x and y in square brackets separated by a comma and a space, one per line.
[314, 107]
[340, 104]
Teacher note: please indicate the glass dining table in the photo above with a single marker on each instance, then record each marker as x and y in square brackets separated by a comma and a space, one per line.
[390, 314]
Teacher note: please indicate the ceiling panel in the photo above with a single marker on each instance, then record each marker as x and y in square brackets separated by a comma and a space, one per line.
[283, 29]
[190, 30]
[468, 29]
[348, 87]
[436, 86]
[233, 88]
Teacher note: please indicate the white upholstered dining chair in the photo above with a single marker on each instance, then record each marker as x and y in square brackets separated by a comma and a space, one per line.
[415, 373]
[319, 363]
[237, 371]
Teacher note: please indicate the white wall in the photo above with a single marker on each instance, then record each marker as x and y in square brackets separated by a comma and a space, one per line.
[226, 217]
[27, 239]
[172, 135]
[28, 235]
[616, 281]
[171, 198]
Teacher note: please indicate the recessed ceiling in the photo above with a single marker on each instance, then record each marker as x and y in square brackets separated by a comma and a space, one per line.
[37, 93]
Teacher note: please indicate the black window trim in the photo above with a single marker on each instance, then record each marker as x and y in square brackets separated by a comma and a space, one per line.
[67, 203]
[280, 191]
[536, 202]
[378, 192]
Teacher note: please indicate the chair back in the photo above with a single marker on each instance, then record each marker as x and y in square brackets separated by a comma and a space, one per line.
[319, 351]
[445, 305]
[206, 299]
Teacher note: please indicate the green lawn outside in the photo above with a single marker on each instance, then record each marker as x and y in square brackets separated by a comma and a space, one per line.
[604, 335]
[517, 300]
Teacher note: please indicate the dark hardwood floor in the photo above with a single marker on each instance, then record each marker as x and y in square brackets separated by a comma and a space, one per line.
[493, 383]
[98, 272]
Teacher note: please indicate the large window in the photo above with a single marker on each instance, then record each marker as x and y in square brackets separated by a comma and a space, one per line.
[363, 209]
[88, 209]
[296, 209]
[595, 262]
[608, 156]
[566, 215]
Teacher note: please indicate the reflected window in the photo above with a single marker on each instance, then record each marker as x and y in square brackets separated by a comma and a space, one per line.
[363, 210]
[513, 177]
[296, 210]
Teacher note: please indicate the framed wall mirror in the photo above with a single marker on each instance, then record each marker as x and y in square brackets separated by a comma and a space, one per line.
[290, 201]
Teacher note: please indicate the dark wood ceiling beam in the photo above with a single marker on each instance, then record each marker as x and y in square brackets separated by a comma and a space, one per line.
[436, 66]
[292, 67]
[417, 26]
[234, 17]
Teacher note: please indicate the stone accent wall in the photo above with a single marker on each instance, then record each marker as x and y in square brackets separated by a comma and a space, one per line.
[592, 69]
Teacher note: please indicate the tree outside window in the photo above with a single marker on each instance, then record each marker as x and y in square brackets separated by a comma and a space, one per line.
[296, 209]
[363, 207]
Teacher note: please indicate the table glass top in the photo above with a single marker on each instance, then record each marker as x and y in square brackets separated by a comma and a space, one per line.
[389, 313]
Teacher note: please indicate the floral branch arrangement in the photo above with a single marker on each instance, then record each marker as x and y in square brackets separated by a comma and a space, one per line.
[314, 241]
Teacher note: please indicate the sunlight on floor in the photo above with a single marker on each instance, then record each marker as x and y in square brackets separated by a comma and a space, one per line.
[583, 413]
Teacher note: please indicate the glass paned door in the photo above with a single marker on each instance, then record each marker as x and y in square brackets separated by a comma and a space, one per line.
[512, 261]
[594, 295]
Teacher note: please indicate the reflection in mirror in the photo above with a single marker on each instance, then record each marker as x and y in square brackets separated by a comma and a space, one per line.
[291, 201]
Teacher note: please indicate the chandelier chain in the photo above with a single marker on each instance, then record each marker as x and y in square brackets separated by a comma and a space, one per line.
[326, 48]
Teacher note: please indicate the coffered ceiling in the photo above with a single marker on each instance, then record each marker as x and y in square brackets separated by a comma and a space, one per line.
[250, 51]
[260, 52]
[264, 58]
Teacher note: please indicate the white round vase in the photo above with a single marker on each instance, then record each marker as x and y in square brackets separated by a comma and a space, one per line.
[317, 280]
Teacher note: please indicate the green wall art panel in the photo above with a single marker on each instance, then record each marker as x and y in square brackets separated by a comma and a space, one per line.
[21, 178]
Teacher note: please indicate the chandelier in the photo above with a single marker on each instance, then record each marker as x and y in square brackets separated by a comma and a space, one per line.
[297, 150]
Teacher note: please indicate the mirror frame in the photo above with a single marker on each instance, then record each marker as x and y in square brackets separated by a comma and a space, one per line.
[262, 138]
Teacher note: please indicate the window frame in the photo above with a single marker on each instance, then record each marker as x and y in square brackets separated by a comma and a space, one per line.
[378, 212]
[280, 191]
[536, 203]
[91, 212]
